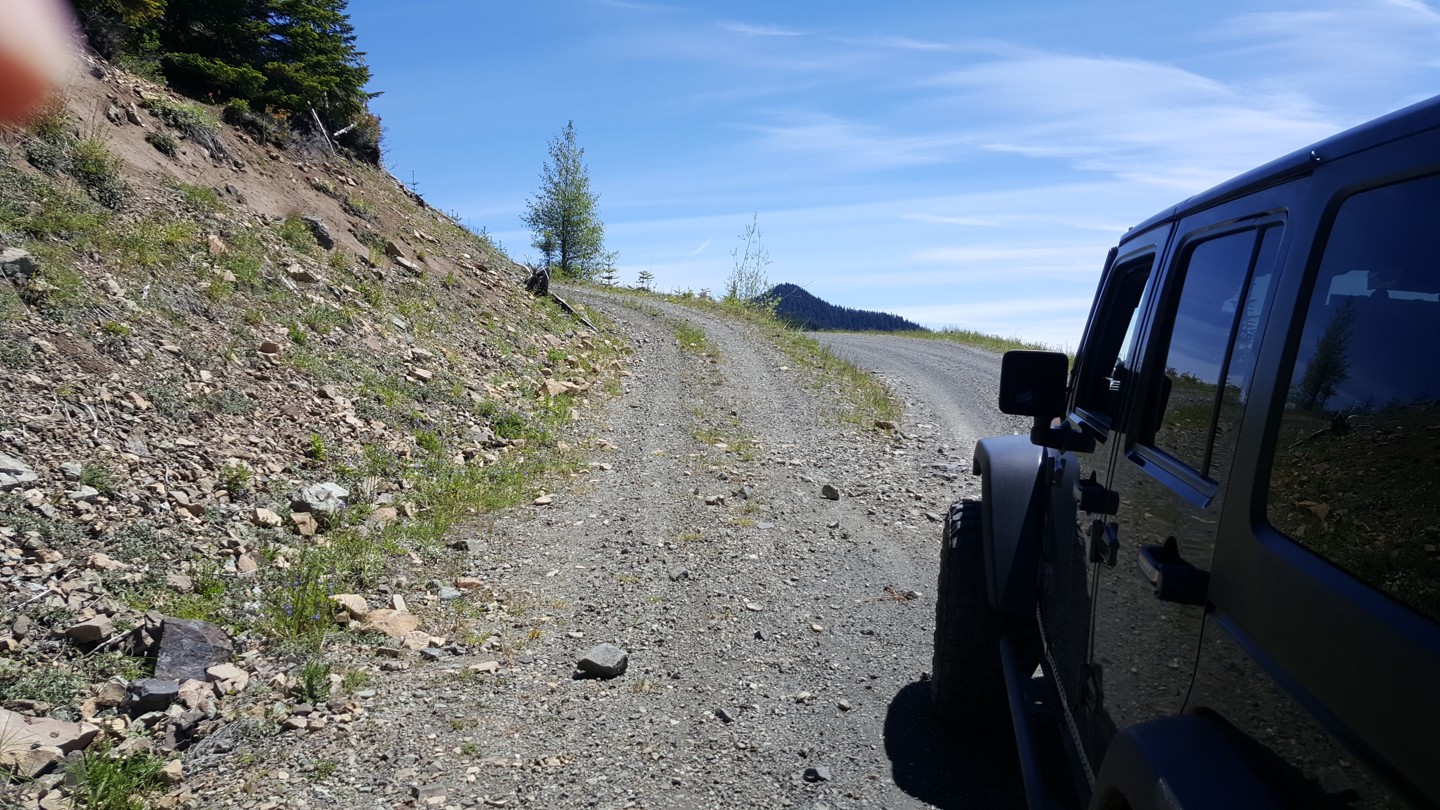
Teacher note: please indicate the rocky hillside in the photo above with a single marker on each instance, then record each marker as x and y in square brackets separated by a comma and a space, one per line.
[240, 377]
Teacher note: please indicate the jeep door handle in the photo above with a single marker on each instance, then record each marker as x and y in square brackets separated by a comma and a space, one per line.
[1173, 579]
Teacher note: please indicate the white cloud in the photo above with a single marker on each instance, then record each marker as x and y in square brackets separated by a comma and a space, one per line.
[854, 146]
[758, 30]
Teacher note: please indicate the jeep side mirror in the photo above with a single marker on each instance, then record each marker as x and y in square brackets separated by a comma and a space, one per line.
[1033, 384]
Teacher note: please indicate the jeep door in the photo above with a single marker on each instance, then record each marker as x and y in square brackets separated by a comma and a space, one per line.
[1099, 387]
[1188, 372]
[1323, 643]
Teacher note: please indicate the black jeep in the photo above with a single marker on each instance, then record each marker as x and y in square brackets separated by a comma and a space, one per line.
[1210, 576]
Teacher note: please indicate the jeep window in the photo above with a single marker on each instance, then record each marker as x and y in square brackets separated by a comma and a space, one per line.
[1211, 348]
[1108, 342]
[1356, 474]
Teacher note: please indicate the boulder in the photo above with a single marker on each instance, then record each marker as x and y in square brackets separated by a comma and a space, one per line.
[323, 501]
[91, 631]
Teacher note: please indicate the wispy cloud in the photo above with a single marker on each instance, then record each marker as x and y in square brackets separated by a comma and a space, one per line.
[897, 43]
[697, 251]
[853, 145]
[750, 30]
[1145, 121]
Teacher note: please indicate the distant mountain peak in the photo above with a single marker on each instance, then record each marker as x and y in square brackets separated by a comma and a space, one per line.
[796, 305]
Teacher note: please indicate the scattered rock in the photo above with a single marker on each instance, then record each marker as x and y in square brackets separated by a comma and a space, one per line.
[265, 518]
[393, 623]
[301, 274]
[724, 716]
[320, 231]
[188, 647]
[18, 265]
[817, 773]
[14, 472]
[354, 605]
[91, 631]
[323, 501]
[151, 695]
[20, 731]
[885, 424]
[829, 493]
[28, 763]
[605, 661]
[228, 678]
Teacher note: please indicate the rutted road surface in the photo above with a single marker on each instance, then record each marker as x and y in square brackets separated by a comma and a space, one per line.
[777, 639]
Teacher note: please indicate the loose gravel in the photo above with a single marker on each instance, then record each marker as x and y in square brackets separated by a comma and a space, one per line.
[777, 640]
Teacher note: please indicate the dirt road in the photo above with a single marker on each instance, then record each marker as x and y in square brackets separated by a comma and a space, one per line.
[777, 638]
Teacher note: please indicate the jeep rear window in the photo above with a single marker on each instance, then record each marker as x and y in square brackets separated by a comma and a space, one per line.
[1356, 474]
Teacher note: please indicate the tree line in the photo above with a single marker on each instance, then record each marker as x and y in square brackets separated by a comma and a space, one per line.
[804, 311]
[279, 58]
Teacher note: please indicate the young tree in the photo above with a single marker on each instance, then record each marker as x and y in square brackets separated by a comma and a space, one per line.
[645, 280]
[564, 215]
[748, 281]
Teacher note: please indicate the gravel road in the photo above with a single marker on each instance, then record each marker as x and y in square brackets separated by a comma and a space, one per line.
[778, 640]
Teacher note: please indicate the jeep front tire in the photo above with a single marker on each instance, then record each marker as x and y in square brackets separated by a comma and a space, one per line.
[967, 686]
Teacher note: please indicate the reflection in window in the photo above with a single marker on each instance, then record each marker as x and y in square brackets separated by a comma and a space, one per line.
[1357, 465]
[1114, 327]
[1207, 318]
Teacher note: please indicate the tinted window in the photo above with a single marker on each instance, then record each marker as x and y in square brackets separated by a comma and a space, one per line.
[1211, 347]
[1356, 476]
[1114, 327]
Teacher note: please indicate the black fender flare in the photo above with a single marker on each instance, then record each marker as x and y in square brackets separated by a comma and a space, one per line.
[1194, 761]
[1012, 488]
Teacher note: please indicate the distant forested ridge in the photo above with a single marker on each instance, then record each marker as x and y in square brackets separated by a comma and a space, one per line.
[274, 60]
[805, 311]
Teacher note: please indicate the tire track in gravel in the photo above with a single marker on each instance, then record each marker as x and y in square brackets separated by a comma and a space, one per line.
[767, 634]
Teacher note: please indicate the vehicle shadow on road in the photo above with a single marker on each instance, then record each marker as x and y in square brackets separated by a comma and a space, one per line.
[944, 767]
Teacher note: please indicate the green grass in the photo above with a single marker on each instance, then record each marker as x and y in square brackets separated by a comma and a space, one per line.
[103, 782]
[980, 340]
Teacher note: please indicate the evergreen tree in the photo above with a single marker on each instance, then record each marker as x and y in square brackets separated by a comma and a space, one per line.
[310, 61]
[646, 279]
[563, 216]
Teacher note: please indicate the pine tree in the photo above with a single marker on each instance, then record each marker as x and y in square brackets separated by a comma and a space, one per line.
[646, 279]
[563, 216]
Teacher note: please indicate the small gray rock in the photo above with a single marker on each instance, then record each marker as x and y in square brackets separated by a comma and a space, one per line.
[817, 773]
[323, 501]
[18, 265]
[432, 653]
[680, 575]
[13, 471]
[605, 661]
[725, 716]
[448, 593]
[829, 493]
[320, 231]
[150, 695]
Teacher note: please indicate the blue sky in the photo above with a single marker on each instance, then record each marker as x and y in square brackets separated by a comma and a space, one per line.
[960, 164]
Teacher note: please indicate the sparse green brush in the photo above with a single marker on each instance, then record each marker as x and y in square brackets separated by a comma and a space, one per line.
[298, 235]
[98, 172]
[429, 442]
[201, 198]
[99, 477]
[15, 354]
[980, 340]
[317, 450]
[314, 684]
[163, 142]
[235, 478]
[155, 242]
[297, 603]
[693, 340]
[103, 782]
[58, 687]
[357, 207]
[324, 186]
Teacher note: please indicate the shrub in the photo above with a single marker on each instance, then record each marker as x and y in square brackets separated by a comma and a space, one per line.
[104, 782]
[163, 142]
